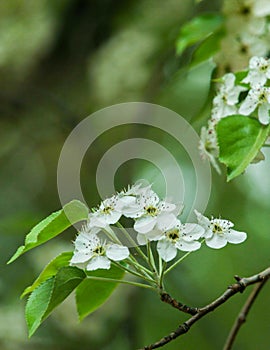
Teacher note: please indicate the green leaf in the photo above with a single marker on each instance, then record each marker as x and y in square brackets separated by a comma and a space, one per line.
[199, 28]
[239, 76]
[50, 294]
[37, 305]
[52, 226]
[91, 294]
[187, 92]
[208, 47]
[49, 271]
[240, 139]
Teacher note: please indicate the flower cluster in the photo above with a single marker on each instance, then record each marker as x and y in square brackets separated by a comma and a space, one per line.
[244, 93]
[247, 33]
[154, 220]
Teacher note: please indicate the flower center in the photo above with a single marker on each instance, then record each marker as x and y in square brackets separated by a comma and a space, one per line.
[209, 146]
[264, 67]
[224, 99]
[153, 211]
[99, 250]
[217, 228]
[262, 97]
[173, 235]
[107, 210]
[245, 10]
[244, 49]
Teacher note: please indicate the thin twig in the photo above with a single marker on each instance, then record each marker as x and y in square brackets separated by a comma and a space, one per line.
[238, 287]
[242, 316]
[166, 298]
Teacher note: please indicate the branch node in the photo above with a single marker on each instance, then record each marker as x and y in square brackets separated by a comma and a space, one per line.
[185, 327]
[237, 278]
[242, 286]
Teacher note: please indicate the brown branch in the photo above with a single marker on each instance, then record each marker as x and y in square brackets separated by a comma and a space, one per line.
[235, 288]
[166, 298]
[242, 316]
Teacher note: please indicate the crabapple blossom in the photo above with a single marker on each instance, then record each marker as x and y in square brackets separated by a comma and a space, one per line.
[93, 253]
[130, 199]
[109, 212]
[178, 236]
[208, 146]
[218, 232]
[259, 71]
[258, 96]
[153, 212]
[224, 103]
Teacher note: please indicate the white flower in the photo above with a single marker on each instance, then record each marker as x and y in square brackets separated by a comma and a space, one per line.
[257, 97]
[254, 45]
[261, 8]
[153, 212]
[91, 253]
[218, 232]
[208, 146]
[179, 236]
[129, 199]
[224, 103]
[247, 8]
[259, 71]
[109, 212]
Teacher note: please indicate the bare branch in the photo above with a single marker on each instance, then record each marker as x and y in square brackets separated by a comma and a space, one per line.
[242, 316]
[235, 288]
[166, 298]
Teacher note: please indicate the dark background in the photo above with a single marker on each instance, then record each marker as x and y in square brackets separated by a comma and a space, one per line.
[60, 61]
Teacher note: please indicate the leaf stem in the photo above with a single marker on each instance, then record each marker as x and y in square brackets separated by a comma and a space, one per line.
[151, 259]
[121, 281]
[133, 272]
[134, 244]
[161, 273]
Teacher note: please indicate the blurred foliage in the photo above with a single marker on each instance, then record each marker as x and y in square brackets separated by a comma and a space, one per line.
[59, 62]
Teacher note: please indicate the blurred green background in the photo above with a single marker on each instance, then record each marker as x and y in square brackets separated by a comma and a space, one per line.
[59, 62]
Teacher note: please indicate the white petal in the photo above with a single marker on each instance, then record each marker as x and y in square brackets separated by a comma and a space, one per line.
[141, 238]
[208, 233]
[80, 257]
[117, 252]
[261, 8]
[166, 221]
[192, 231]
[127, 200]
[97, 221]
[165, 206]
[166, 250]
[98, 262]
[229, 110]
[235, 236]
[248, 105]
[264, 113]
[187, 246]
[229, 81]
[202, 220]
[145, 224]
[133, 211]
[217, 241]
[82, 242]
[254, 62]
[113, 217]
[154, 235]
